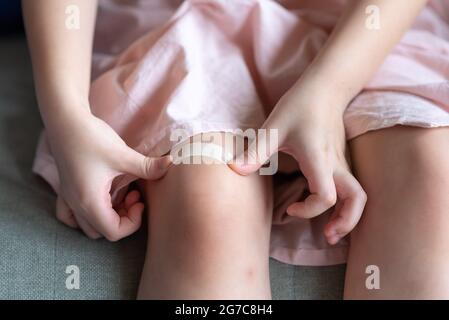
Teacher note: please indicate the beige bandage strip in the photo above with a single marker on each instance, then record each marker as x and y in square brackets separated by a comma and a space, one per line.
[201, 149]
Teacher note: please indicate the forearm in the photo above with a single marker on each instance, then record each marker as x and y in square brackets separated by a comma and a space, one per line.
[354, 52]
[61, 56]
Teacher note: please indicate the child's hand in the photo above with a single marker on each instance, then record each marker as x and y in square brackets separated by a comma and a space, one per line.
[89, 155]
[311, 130]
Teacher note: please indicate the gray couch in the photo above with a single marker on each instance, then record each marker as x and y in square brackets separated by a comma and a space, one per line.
[35, 248]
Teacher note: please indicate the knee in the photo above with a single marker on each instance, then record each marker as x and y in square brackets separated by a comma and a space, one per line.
[424, 170]
[211, 206]
[405, 173]
[423, 155]
[403, 160]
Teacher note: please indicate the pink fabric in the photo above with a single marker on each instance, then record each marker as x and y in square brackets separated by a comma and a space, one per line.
[205, 65]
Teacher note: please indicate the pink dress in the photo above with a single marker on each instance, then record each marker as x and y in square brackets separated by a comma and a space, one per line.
[218, 65]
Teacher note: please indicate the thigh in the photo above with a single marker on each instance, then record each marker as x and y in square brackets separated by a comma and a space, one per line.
[208, 234]
[404, 229]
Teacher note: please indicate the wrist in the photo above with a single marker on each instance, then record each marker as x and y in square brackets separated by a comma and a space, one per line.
[329, 88]
[319, 95]
[59, 114]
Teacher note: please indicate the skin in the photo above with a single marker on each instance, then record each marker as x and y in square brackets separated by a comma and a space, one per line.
[407, 239]
[310, 124]
[88, 152]
[309, 119]
[214, 216]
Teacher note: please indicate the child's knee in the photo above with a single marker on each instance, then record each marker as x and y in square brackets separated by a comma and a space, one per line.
[210, 208]
[423, 162]
[402, 158]
[213, 192]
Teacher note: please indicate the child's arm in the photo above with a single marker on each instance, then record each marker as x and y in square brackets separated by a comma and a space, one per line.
[61, 56]
[309, 117]
[354, 51]
[88, 152]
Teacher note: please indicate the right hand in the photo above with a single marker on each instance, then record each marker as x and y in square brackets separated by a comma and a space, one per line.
[89, 154]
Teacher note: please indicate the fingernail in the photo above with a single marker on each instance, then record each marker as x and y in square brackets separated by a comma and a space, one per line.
[332, 233]
[241, 169]
[334, 239]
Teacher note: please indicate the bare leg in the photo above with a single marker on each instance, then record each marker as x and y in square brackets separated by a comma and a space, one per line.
[208, 234]
[405, 227]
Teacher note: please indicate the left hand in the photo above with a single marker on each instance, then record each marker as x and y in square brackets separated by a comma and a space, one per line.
[310, 128]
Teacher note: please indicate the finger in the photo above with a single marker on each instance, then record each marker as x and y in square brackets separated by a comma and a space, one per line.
[131, 198]
[323, 194]
[113, 225]
[86, 227]
[133, 218]
[352, 200]
[64, 213]
[145, 167]
[258, 152]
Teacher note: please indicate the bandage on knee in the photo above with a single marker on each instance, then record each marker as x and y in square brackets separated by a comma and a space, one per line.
[185, 153]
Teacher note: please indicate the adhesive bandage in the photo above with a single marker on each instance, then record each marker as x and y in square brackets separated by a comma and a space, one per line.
[185, 153]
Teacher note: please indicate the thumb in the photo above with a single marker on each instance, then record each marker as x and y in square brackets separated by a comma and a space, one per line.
[143, 167]
[257, 153]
